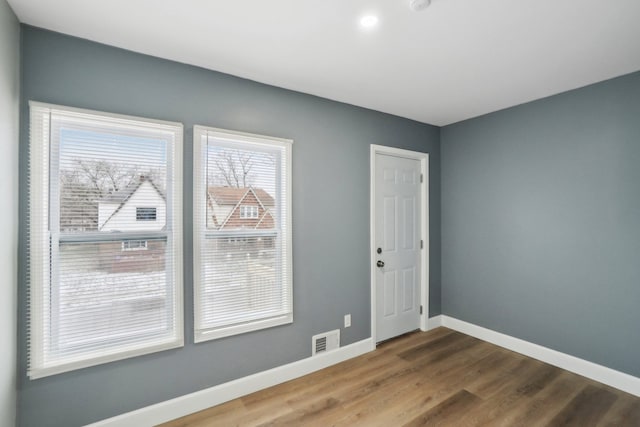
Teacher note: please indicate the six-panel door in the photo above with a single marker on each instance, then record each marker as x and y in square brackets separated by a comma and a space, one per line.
[397, 235]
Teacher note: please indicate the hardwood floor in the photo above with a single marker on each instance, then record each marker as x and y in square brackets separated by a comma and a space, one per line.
[435, 378]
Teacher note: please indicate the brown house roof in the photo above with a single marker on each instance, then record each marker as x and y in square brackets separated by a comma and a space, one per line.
[232, 195]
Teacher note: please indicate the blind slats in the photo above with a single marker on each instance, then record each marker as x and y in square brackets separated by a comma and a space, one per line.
[242, 226]
[105, 225]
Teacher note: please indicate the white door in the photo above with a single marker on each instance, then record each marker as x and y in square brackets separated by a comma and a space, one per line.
[397, 244]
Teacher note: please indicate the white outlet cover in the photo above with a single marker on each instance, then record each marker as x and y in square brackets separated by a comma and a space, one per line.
[347, 320]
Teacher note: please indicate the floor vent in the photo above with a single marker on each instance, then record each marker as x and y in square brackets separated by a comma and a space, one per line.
[327, 341]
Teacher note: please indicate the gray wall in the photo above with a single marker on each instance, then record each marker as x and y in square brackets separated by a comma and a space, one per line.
[9, 98]
[331, 246]
[541, 222]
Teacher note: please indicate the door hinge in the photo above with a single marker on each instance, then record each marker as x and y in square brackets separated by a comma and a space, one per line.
[421, 244]
[420, 309]
[421, 178]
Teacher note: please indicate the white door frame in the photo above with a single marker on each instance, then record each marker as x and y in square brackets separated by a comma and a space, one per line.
[424, 195]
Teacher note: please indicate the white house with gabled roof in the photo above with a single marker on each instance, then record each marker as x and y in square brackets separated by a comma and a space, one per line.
[141, 206]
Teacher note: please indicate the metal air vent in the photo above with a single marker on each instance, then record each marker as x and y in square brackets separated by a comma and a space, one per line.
[327, 341]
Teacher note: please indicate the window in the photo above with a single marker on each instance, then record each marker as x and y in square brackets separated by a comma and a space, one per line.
[242, 269]
[90, 302]
[248, 212]
[145, 214]
[134, 245]
[237, 240]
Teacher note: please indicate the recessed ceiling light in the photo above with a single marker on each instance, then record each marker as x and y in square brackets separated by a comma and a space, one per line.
[369, 21]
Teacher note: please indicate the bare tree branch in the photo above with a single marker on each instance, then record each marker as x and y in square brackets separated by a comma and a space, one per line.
[88, 181]
[232, 168]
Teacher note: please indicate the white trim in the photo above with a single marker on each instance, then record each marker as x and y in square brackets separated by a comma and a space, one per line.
[424, 279]
[101, 357]
[232, 135]
[38, 216]
[203, 399]
[434, 322]
[250, 326]
[197, 401]
[61, 109]
[602, 374]
[283, 147]
[176, 197]
[42, 145]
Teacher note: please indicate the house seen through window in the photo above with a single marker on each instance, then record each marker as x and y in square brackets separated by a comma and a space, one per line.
[242, 228]
[134, 245]
[249, 211]
[103, 227]
[146, 214]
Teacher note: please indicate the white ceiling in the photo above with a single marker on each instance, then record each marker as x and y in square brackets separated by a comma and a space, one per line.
[455, 60]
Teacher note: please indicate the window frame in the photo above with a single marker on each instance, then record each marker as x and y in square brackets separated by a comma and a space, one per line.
[126, 245]
[253, 209]
[200, 136]
[44, 235]
[144, 213]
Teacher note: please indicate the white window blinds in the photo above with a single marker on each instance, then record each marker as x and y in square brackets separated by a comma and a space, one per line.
[242, 232]
[105, 244]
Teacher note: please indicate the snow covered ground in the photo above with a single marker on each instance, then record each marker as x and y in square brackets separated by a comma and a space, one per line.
[97, 306]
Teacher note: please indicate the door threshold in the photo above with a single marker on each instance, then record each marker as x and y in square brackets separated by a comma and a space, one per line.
[388, 340]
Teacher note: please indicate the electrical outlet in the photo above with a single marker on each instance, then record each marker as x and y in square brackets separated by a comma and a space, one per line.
[347, 320]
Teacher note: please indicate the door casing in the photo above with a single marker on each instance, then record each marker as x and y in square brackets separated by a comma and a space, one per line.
[424, 201]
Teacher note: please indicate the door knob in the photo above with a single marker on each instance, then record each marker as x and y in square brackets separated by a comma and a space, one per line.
[380, 263]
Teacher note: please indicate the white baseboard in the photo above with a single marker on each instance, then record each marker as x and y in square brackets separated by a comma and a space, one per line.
[602, 374]
[203, 399]
[434, 322]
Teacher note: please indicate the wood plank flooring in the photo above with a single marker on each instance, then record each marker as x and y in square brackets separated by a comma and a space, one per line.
[435, 378]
